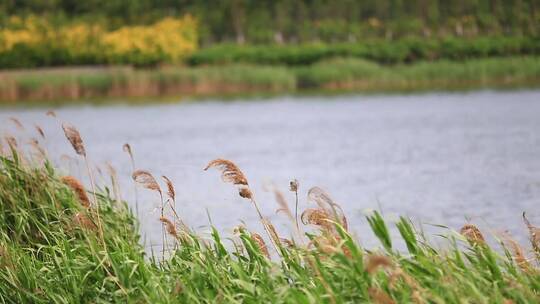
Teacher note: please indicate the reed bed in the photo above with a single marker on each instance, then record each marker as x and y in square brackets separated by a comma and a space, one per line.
[336, 74]
[61, 242]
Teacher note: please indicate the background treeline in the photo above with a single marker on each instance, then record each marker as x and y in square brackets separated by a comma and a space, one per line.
[36, 33]
[292, 21]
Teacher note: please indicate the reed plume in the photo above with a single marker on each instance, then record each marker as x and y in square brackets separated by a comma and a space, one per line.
[12, 142]
[293, 187]
[534, 236]
[17, 123]
[74, 137]
[40, 131]
[374, 262]
[127, 148]
[78, 188]
[317, 217]
[170, 188]
[259, 241]
[472, 234]
[282, 203]
[273, 232]
[114, 181]
[35, 144]
[147, 180]
[518, 255]
[325, 202]
[51, 113]
[169, 226]
[172, 195]
[230, 173]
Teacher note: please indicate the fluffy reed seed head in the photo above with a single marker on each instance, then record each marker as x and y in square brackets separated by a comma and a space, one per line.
[259, 241]
[287, 242]
[170, 188]
[35, 144]
[472, 234]
[534, 235]
[12, 142]
[374, 262]
[293, 185]
[51, 113]
[17, 123]
[169, 226]
[317, 217]
[127, 148]
[272, 231]
[40, 131]
[230, 173]
[519, 255]
[146, 179]
[78, 188]
[283, 204]
[325, 202]
[74, 137]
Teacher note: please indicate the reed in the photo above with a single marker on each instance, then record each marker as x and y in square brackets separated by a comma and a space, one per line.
[147, 180]
[127, 148]
[49, 235]
[74, 137]
[230, 173]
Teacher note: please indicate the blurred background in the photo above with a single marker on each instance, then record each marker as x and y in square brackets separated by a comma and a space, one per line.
[423, 108]
[179, 48]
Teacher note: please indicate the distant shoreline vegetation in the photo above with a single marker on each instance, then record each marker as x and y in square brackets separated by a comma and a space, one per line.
[58, 56]
[341, 74]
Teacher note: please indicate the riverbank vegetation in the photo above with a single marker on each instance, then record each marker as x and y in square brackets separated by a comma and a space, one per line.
[146, 49]
[54, 229]
[333, 75]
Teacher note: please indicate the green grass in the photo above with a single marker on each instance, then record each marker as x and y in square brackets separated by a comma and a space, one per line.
[406, 50]
[363, 75]
[334, 74]
[46, 256]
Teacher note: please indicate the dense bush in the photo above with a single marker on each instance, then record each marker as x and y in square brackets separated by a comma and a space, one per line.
[36, 42]
[390, 52]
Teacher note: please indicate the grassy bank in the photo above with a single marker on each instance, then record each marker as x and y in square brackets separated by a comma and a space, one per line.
[60, 243]
[338, 74]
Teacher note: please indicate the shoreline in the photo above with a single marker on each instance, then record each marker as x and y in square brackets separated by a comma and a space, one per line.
[102, 85]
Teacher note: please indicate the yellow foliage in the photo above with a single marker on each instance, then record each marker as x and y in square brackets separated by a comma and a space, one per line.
[170, 39]
[175, 38]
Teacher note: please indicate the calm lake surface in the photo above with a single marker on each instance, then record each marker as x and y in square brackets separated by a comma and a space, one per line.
[438, 158]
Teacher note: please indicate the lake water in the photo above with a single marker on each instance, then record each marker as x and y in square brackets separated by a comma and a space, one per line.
[438, 158]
